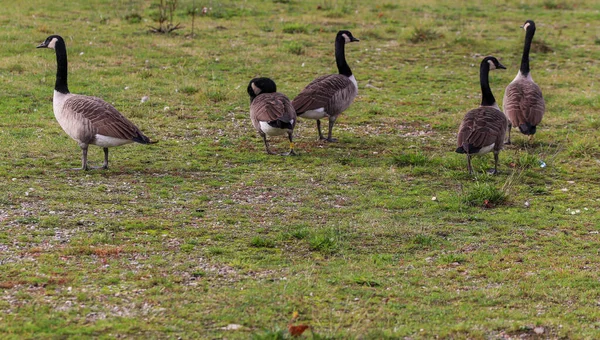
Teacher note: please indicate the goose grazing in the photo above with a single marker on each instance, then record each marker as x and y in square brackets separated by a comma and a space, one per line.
[271, 112]
[88, 120]
[328, 96]
[483, 129]
[523, 101]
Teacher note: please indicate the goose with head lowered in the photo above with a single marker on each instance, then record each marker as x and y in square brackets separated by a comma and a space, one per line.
[523, 101]
[329, 95]
[271, 112]
[483, 129]
[88, 120]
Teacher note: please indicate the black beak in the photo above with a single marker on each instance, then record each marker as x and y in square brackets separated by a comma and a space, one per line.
[42, 45]
[501, 66]
[353, 39]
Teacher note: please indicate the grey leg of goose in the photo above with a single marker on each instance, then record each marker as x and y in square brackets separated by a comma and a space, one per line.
[291, 152]
[469, 164]
[331, 122]
[509, 128]
[84, 150]
[495, 171]
[319, 129]
[267, 145]
[105, 166]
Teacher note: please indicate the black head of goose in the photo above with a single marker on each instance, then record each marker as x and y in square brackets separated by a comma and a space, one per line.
[328, 96]
[523, 101]
[271, 112]
[88, 120]
[483, 129]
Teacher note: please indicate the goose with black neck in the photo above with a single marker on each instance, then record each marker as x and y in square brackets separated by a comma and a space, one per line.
[523, 101]
[330, 95]
[88, 120]
[483, 129]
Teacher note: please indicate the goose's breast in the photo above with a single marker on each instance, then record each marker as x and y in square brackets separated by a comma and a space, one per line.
[68, 120]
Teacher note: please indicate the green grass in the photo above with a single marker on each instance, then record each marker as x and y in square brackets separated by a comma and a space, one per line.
[382, 235]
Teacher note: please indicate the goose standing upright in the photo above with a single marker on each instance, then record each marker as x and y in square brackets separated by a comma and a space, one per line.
[329, 95]
[271, 112]
[523, 101]
[88, 120]
[483, 129]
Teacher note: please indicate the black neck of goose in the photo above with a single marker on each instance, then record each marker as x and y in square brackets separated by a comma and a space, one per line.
[340, 57]
[61, 70]
[487, 98]
[525, 58]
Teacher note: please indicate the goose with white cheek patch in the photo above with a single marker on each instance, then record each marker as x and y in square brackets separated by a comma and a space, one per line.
[483, 129]
[271, 112]
[330, 95]
[523, 101]
[88, 120]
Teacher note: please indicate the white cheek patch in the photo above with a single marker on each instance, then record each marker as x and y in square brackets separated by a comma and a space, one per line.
[256, 89]
[52, 43]
[346, 37]
[525, 26]
[492, 65]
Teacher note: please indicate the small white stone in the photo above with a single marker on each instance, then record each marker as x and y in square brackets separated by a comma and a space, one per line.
[144, 99]
[232, 327]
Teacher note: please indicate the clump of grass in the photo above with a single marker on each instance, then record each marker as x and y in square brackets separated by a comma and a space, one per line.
[15, 68]
[133, 18]
[424, 34]
[363, 281]
[453, 258]
[527, 161]
[561, 5]
[582, 148]
[267, 28]
[484, 194]
[410, 159]
[293, 28]
[262, 242]
[215, 94]
[423, 240]
[541, 46]
[300, 234]
[188, 90]
[326, 242]
[294, 47]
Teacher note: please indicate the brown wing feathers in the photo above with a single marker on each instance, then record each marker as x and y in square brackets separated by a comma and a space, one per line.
[320, 92]
[481, 127]
[104, 119]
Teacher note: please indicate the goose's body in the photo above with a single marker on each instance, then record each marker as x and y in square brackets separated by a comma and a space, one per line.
[483, 129]
[271, 112]
[523, 101]
[88, 120]
[330, 95]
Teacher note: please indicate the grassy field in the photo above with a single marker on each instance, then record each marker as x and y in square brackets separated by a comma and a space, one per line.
[381, 235]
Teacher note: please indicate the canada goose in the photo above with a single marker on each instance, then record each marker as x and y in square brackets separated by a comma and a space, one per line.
[330, 95]
[523, 101]
[271, 112]
[88, 120]
[483, 129]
